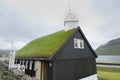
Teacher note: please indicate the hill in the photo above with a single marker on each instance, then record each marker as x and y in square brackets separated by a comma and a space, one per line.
[110, 48]
[5, 52]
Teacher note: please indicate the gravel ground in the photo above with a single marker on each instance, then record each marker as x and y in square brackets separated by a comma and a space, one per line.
[12, 74]
[0, 79]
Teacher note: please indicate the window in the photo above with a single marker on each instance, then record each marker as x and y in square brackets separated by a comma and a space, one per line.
[35, 66]
[26, 64]
[20, 62]
[23, 62]
[30, 67]
[78, 43]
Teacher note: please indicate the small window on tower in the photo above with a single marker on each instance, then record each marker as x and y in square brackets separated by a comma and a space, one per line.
[78, 43]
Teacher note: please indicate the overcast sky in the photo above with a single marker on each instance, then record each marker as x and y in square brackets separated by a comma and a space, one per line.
[25, 20]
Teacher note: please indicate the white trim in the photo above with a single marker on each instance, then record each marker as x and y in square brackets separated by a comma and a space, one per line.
[92, 77]
[30, 66]
[81, 44]
[23, 62]
[26, 64]
[20, 62]
[78, 43]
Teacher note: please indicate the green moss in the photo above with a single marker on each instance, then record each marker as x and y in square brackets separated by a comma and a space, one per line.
[103, 75]
[45, 46]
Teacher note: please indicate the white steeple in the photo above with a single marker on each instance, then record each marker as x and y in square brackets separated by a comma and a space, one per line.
[70, 21]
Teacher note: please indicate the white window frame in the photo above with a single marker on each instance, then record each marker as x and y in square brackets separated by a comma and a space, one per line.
[20, 62]
[78, 43]
[26, 64]
[30, 66]
[23, 62]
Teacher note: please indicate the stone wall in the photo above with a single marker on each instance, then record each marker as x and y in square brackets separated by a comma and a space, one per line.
[12, 74]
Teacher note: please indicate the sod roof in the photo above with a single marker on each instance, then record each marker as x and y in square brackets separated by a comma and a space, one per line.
[45, 46]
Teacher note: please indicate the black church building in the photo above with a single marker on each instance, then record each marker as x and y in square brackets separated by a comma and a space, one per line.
[64, 55]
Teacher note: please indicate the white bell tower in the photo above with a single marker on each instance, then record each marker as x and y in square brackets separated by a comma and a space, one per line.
[70, 21]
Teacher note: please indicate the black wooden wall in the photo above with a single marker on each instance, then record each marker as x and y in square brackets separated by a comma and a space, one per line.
[69, 52]
[73, 63]
[73, 69]
[49, 70]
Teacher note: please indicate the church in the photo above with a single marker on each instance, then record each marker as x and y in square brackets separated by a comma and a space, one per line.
[63, 55]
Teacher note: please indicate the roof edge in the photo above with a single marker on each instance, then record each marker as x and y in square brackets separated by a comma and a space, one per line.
[57, 52]
[37, 59]
[87, 42]
[76, 29]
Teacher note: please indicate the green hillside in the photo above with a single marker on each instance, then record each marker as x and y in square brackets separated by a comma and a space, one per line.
[4, 52]
[110, 48]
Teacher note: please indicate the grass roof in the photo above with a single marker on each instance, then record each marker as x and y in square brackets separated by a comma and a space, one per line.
[45, 46]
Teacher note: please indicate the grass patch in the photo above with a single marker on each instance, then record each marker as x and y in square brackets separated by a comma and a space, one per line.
[108, 73]
[103, 75]
[45, 46]
[108, 69]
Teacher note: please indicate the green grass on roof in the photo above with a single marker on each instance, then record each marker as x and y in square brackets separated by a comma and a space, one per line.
[45, 46]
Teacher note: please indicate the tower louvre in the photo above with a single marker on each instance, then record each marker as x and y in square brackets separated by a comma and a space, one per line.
[70, 21]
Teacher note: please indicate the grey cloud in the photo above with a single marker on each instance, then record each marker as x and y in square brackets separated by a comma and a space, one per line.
[105, 6]
[12, 26]
[110, 10]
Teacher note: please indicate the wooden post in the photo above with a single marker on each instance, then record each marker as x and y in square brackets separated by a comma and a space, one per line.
[38, 69]
[43, 71]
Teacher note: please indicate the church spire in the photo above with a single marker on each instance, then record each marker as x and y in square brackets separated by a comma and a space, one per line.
[70, 21]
